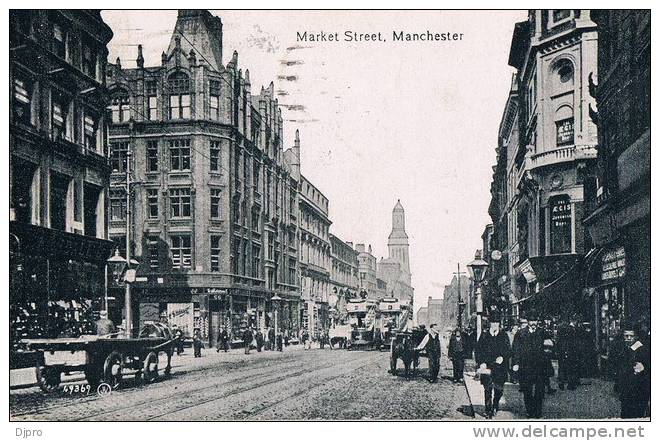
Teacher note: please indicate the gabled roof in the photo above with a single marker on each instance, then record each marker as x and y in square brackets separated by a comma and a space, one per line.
[198, 28]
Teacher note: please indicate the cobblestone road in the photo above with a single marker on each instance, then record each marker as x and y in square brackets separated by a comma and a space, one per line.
[296, 384]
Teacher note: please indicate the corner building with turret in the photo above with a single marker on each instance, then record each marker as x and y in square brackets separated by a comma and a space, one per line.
[214, 203]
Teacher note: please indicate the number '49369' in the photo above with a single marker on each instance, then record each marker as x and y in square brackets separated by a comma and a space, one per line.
[82, 389]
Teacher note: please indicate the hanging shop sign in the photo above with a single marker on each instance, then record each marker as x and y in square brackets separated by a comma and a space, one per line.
[614, 264]
[149, 312]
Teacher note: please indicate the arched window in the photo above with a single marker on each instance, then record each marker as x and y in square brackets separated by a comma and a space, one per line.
[564, 125]
[179, 90]
[120, 106]
[561, 224]
[564, 71]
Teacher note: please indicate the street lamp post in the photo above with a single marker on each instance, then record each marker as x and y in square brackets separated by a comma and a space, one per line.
[116, 265]
[477, 271]
[460, 303]
[276, 300]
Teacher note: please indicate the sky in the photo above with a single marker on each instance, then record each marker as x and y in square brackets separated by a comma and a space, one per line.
[379, 120]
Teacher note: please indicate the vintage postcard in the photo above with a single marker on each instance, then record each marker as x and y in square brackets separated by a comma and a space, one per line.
[329, 215]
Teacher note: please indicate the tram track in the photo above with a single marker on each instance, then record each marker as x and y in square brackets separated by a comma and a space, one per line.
[236, 370]
[211, 385]
[299, 392]
[288, 376]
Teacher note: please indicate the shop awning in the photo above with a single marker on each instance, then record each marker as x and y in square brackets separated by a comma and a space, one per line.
[526, 269]
[41, 242]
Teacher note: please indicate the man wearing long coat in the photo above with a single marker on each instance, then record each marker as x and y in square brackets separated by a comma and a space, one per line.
[568, 356]
[492, 355]
[634, 376]
[247, 339]
[530, 361]
[271, 338]
[223, 340]
[457, 353]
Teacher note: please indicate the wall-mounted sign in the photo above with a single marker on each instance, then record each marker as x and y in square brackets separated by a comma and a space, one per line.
[565, 132]
[560, 224]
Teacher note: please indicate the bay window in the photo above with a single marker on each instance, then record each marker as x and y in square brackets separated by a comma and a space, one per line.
[179, 89]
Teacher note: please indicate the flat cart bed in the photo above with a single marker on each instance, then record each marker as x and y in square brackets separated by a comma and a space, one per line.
[101, 358]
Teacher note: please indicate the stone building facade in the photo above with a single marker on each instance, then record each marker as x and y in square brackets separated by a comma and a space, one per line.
[214, 210]
[619, 210]
[367, 270]
[431, 313]
[58, 170]
[315, 259]
[450, 299]
[343, 275]
[554, 53]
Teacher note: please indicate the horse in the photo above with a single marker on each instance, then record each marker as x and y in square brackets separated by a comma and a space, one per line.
[404, 349]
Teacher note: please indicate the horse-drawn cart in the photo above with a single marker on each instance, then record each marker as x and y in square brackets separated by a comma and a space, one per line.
[403, 344]
[103, 359]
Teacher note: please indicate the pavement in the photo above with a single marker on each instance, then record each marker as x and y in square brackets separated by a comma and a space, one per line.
[296, 384]
[593, 399]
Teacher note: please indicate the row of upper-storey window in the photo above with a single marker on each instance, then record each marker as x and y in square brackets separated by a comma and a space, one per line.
[178, 249]
[177, 92]
[67, 119]
[179, 152]
[314, 225]
[314, 195]
[76, 48]
[179, 204]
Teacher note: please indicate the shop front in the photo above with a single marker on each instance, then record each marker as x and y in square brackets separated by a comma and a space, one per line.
[185, 308]
[609, 299]
[212, 309]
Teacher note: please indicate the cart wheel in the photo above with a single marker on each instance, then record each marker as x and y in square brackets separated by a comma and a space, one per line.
[112, 368]
[150, 368]
[48, 378]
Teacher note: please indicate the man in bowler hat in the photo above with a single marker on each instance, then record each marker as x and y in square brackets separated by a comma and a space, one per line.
[492, 356]
[530, 361]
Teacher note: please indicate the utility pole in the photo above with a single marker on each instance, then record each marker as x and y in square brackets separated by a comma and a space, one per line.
[459, 303]
[127, 284]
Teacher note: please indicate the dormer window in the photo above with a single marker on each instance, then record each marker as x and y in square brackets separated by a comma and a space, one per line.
[179, 89]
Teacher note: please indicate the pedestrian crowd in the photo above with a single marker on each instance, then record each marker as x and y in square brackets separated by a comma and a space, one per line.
[524, 354]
